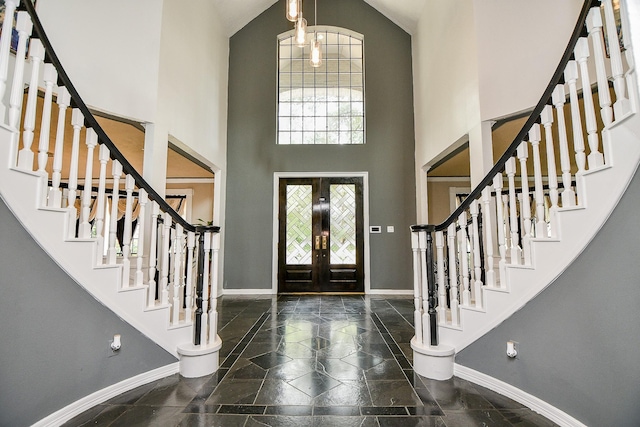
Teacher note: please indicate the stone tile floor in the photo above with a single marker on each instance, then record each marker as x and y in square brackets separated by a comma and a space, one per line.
[312, 361]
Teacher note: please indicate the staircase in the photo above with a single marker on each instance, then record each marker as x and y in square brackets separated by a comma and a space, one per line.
[66, 191]
[539, 206]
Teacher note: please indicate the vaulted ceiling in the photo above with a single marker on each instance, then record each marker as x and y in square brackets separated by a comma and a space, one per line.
[235, 14]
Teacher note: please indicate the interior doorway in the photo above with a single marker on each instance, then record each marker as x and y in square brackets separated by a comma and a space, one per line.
[321, 234]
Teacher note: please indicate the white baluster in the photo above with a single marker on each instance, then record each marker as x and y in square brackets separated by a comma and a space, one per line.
[178, 278]
[191, 244]
[23, 27]
[581, 53]
[50, 76]
[621, 107]
[568, 195]
[477, 283]
[84, 232]
[500, 223]
[453, 274]
[525, 204]
[77, 122]
[116, 170]
[534, 139]
[628, 53]
[103, 157]
[5, 44]
[204, 334]
[417, 271]
[213, 316]
[143, 198]
[510, 168]
[594, 26]
[164, 272]
[487, 225]
[442, 298]
[129, 184]
[55, 195]
[464, 260]
[547, 121]
[153, 250]
[571, 76]
[25, 156]
[507, 223]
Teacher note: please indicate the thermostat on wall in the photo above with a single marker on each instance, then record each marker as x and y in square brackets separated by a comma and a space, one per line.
[375, 229]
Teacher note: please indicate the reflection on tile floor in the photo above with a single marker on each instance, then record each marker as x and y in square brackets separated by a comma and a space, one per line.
[312, 361]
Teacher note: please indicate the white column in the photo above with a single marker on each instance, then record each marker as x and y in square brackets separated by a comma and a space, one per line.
[50, 76]
[36, 53]
[424, 283]
[568, 195]
[84, 232]
[480, 151]
[55, 195]
[547, 121]
[103, 157]
[23, 27]
[417, 314]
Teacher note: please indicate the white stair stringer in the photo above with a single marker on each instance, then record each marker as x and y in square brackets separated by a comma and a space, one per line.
[48, 226]
[577, 226]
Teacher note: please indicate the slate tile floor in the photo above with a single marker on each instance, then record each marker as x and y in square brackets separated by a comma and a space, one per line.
[312, 361]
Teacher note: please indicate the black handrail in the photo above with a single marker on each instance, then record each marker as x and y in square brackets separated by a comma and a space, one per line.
[91, 122]
[533, 118]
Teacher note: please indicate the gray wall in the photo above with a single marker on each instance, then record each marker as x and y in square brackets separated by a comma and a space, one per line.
[55, 336]
[253, 155]
[579, 348]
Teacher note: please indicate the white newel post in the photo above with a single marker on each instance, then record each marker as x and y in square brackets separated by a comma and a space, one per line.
[477, 283]
[23, 27]
[568, 195]
[453, 274]
[534, 140]
[143, 199]
[547, 121]
[55, 195]
[525, 204]
[464, 260]
[77, 121]
[129, 184]
[581, 53]
[50, 76]
[622, 106]
[205, 289]
[36, 53]
[442, 306]
[116, 170]
[84, 232]
[424, 286]
[417, 314]
[510, 168]
[213, 318]
[153, 251]
[191, 245]
[487, 225]
[5, 44]
[103, 157]
[178, 278]
[502, 246]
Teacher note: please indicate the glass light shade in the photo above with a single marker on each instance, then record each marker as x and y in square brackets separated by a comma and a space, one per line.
[301, 31]
[294, 8]
[315, 58]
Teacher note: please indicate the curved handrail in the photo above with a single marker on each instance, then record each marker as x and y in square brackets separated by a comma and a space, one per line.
[91, 122]
[533, 118]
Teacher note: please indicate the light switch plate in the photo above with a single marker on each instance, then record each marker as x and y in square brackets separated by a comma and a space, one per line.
[375, 229]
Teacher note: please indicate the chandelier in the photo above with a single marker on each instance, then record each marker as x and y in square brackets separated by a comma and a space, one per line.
[294, 14]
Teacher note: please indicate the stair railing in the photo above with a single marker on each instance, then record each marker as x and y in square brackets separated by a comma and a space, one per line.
[448, 271]
[169, 250]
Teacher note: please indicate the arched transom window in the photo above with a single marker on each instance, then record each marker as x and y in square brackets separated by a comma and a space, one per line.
[323, 105]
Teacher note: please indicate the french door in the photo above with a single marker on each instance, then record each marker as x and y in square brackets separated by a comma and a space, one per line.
[321, 244]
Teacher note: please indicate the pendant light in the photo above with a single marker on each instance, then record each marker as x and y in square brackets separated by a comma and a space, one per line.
[315, 57]
[301, 31]
[294, 10]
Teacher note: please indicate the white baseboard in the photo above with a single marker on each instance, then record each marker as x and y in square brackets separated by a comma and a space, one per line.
[79, 406]
[248, 292]
[537, 405]
[390, 292]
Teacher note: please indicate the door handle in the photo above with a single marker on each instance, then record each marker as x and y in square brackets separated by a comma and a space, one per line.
[324, 242]
[317, 242]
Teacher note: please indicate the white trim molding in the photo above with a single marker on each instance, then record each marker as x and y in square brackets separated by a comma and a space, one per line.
[248, 292]
[535, 404]
[79, 406]
[390, 292]
[365, 210]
